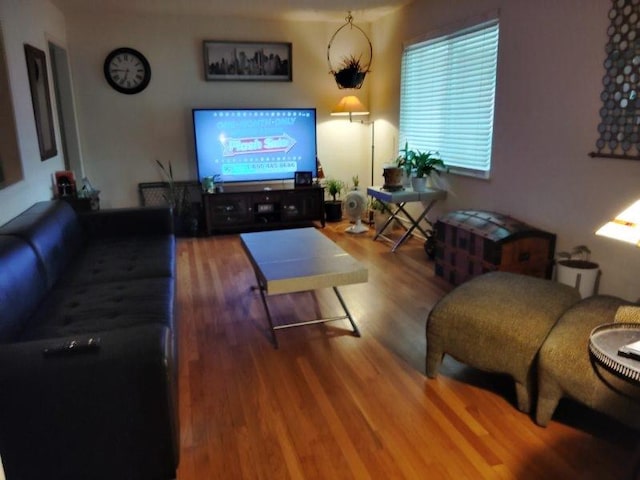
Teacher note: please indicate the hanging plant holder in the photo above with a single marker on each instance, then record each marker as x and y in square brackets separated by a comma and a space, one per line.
[349, 55]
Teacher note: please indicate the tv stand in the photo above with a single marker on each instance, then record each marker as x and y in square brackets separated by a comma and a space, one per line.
[252, 208]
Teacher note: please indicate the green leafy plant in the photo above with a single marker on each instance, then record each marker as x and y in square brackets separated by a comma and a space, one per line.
[579, 252]
[209, 183]
[356, 181]
[351, 62]
[377, 205]
[578, 257]
[405, 159]
[351, 72]
[334, 187]
[424, 163]
[177, 196]
[427, 163]
[173, 195]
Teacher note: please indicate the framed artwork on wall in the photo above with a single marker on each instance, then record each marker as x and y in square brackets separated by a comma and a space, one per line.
[241, 61]
[39, 85]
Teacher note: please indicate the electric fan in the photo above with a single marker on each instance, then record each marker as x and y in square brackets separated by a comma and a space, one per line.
[355, 203]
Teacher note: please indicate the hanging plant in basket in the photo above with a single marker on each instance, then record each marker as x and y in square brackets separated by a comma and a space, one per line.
[350, 70]
[350, 74]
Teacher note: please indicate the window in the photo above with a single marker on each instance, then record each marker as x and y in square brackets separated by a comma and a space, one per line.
[447, 95]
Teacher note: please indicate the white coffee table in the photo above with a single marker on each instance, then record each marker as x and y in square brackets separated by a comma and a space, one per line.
[298, 260]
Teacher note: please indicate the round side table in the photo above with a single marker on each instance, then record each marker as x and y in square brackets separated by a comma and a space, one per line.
[604, 343]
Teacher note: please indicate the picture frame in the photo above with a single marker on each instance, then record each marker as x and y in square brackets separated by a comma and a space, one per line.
[303, 179]
[39, 86]
[247, 61]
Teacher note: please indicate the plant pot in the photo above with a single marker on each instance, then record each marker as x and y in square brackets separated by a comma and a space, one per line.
[430, 246]
[419, 184]
[333, 210]
[580, 274]
[392, 178]
[349, 78]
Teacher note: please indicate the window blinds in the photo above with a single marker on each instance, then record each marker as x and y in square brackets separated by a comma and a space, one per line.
[447, 97]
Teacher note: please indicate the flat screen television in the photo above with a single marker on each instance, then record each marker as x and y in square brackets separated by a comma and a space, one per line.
[254, 145]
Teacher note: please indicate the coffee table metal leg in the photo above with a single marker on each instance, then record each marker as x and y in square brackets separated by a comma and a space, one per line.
[273, 328]
[266, 309]
[356, 332]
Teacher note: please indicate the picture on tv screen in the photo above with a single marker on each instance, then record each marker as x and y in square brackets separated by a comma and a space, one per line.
[245, 145]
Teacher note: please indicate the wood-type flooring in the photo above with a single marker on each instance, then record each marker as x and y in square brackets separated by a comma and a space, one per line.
[328, 405]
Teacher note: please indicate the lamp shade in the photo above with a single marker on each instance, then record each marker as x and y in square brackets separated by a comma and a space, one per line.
[350, 105]
[625, 227]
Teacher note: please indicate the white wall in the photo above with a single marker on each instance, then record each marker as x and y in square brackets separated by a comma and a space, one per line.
[547, 112]
[123, 135]
[34, 22]
[549, 83]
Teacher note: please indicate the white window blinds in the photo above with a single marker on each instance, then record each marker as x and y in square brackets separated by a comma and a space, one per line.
[447, 97]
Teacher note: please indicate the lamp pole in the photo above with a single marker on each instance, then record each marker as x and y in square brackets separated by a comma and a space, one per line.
[373, 143]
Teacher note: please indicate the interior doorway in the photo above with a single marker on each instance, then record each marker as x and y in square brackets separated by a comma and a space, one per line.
[66, 110]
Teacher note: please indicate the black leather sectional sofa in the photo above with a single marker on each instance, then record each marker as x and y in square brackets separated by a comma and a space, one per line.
[88, 361]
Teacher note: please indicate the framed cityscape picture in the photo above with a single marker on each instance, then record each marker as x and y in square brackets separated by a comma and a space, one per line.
[241, 61]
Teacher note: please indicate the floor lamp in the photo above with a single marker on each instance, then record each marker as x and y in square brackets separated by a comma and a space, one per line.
[351, 106]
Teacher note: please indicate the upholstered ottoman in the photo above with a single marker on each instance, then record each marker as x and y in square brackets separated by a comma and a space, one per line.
[497, 322]
[565, 368]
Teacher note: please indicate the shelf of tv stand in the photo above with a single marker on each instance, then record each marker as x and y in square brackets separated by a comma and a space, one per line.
[251, 208]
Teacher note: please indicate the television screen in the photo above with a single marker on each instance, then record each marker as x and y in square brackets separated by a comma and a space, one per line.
[245, 145]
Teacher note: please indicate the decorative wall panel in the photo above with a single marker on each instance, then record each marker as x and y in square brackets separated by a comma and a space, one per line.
[619, 128]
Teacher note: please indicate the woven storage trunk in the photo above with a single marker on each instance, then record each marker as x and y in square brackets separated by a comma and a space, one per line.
[472, 242]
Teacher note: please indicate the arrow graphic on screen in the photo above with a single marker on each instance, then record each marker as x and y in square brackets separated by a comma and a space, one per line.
[253, 145]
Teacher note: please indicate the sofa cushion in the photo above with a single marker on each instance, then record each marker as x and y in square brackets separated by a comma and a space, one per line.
[122, 258]
[128, 222]
[497, 322]
[23, 283]
[566, 369]
[53, 230]
[79, 309]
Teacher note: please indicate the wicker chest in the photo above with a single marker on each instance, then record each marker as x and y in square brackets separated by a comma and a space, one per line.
[472, 242]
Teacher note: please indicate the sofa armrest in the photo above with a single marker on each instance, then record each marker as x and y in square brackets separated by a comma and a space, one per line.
[102, 413]
[127, 221]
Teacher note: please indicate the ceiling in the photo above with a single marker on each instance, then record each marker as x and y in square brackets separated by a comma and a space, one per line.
[308, 10]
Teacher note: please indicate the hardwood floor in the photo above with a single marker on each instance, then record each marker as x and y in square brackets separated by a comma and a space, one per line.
[328, 405]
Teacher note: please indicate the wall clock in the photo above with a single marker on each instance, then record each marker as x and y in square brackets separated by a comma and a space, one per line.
[127, 70]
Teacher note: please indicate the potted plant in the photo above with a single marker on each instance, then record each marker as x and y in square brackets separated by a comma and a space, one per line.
[405, 160]
[212, 184]
[426, 164]
[350, 73]
[380, 213]
[420, 166]
[576, 269]
[333, 207]
[178, 198]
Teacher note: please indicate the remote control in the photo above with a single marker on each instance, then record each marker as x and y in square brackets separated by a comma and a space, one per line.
[73, 346]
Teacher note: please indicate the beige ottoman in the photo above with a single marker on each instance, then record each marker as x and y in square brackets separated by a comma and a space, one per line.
[497, 322]
[565, 368]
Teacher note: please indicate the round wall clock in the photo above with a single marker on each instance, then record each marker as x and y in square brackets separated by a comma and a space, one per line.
[127, 70]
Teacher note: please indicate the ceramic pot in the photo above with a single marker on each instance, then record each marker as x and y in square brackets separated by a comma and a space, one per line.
[580, 274]
[333, 210]
[419, 184]
[392, 178]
